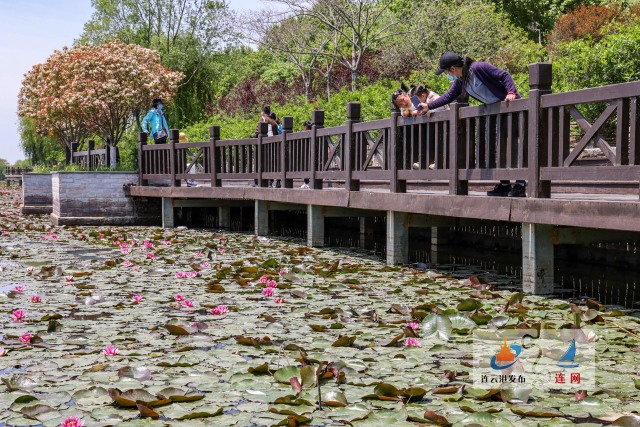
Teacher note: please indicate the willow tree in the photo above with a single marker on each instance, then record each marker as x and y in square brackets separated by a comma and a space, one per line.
[94, 89]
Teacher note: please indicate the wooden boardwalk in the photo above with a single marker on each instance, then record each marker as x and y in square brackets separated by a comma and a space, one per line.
[430, 171]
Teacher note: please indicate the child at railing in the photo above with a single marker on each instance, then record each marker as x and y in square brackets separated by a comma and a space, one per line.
[484, 82]
[193, 166]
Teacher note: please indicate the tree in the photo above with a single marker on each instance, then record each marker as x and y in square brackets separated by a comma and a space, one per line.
[94, 89]
[537, 17]
[185, 33]
[361, 26]
[39, 150]
[298, 39]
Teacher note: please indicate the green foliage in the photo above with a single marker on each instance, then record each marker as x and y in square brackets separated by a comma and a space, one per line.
[39, 149]
[585, 63]
[374, 98]
[537, 17]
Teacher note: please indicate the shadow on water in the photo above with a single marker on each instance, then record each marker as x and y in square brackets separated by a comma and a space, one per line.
[606, 272]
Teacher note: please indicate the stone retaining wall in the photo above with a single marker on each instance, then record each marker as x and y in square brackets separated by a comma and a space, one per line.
[98, 198]
[37, 195]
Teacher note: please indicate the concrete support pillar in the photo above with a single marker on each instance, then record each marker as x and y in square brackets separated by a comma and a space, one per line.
[537, 259]
[366, 230]
[224, 217]
[397, 238]
[168, 218]
[261, 218]
[439, 239]
[315, 226]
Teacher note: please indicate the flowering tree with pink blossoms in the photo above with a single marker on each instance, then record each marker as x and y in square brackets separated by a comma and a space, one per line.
[95, 90]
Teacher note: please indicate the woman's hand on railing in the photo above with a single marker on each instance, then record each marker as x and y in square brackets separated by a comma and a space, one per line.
[510, 97]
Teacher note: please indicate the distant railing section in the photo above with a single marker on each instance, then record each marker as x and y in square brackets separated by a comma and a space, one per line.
[11, 171]
[90, 159]
[539, 139]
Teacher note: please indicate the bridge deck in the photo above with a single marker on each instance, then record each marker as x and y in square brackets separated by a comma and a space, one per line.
[605, 211]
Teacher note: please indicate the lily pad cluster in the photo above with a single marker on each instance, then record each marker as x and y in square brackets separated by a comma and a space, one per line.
[210, 328]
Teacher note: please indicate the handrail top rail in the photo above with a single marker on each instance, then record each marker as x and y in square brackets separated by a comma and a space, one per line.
[503, 107]
[592, 94]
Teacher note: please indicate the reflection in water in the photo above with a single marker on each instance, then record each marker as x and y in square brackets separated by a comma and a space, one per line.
[606, 272]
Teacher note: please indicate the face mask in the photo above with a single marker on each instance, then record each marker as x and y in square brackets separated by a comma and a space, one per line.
[160, 106]
[450, 77]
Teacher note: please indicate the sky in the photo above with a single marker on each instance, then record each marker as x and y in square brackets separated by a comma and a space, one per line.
[30, 30]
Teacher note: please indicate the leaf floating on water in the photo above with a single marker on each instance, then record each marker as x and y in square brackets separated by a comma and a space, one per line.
[241, 339]
[34, 412]
[146, 411]
[140, 373]
[344, 341]
[334, 398]
[436, 418]
[260, 370]
[19, 382]
[536, 411]
[179, 327]
[201, 414]
[627, 421]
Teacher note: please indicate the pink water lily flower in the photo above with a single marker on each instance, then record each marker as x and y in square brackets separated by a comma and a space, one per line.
[283, 271]
[413, 325]
[205, 264]
[72, 422]
[147, 244]
[166, 242]
[110, 350]
[264, 279]
[199, 254]
[30, 270]
[150, 255]
[188, 303]
[268, 292]
[127, 263]
[222, 250]
[43, 238]
[272, 284]
[179, 297]
[126, 251]
[278, 300]
[221, 309]
[18, 315]
[68, 278]
[54, 237]
[136, 298]
[36, 299]
[412, 342]
[26, 338]
[136, 267]
[100, 236]
[19, 288]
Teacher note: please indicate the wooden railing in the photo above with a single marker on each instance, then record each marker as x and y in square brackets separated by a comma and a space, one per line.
[90, 159]
[11, 171]
[539, 139]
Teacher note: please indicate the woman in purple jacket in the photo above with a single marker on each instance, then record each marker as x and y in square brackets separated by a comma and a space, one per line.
[487, 84]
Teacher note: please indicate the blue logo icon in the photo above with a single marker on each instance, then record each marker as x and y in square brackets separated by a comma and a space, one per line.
[568, 360]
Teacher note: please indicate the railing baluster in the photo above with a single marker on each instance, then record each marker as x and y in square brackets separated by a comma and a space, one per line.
[622, 133]
[634, 133]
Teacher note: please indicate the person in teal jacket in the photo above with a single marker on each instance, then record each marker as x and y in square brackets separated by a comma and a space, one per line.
[159, 125]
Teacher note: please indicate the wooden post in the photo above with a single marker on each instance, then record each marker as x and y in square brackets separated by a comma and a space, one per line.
[142, 141]
[317, 122]
[397, 238]
[174, 135]
[91, 145]
[261, 218]
[214, 158]
[395, 155]
[315, 226]
[540, 84]
[74, 149]
[287, 128]
[456, 151]
[537, 259]
[263, 130]
[353, 116]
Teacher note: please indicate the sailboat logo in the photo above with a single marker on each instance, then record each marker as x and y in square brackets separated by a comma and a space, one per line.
[506, 357]
[568, 359]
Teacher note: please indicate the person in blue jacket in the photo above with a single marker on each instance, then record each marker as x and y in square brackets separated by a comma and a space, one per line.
[159, 126]
[484, 82]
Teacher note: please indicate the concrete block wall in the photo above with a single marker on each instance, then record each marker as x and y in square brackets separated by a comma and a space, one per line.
[97, 198]
[37, 193]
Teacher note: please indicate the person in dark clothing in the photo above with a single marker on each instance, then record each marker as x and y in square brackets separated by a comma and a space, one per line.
[484, 82]
[305, 127]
